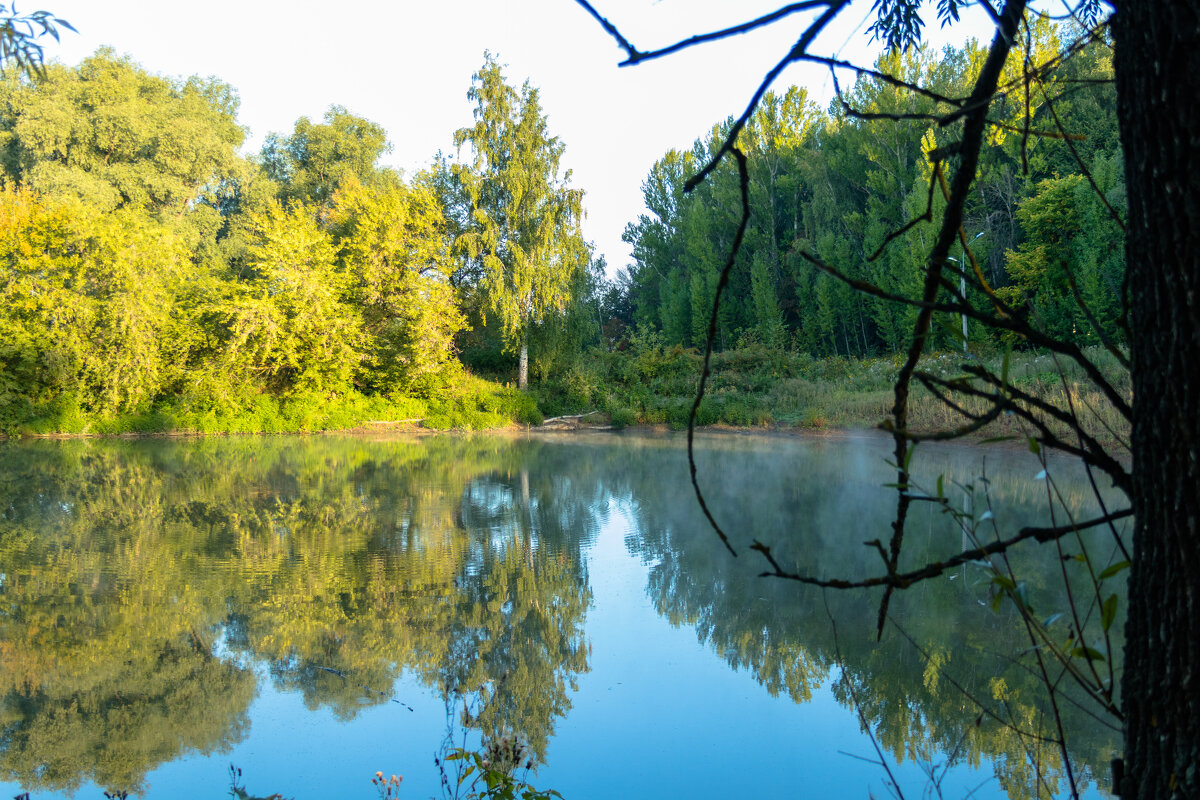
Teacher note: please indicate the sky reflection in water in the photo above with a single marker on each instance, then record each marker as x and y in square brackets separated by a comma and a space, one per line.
[170, 607]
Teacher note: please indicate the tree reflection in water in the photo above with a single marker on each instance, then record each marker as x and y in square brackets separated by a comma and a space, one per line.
[147, 583]
[144, 580]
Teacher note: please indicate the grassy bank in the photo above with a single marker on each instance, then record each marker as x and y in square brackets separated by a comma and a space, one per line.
[645, 384]
[472, 404]
[762, 387]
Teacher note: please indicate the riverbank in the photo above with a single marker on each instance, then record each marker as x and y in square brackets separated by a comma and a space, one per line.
[470, 403]
[646, 386]
[771, 389]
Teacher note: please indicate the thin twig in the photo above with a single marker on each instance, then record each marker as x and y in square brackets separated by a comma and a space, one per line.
[744, 182]
[902, 580]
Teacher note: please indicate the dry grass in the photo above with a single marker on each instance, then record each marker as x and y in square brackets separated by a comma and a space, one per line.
[755, 386]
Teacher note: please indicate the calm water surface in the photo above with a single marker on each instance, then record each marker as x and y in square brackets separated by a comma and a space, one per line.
[315, 609]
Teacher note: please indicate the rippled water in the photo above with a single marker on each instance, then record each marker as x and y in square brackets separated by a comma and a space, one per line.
[315, 609]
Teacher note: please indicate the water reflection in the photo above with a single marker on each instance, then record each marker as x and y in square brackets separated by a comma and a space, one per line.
[147, 585]
[126, 564]
[947, 680]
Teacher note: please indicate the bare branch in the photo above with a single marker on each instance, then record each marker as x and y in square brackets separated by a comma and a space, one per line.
[795, 54]
[903, 580]
[974, 122]
[637, 57]
[629, 49]
[744, 183]
[835, 63]
[1090, 450]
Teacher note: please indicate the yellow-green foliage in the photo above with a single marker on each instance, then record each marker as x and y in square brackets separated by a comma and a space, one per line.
[287, 321]
[85, 306]
[392, 249]
[474, 404]
[155, 280]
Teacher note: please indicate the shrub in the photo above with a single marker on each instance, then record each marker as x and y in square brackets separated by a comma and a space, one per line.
[623, 417]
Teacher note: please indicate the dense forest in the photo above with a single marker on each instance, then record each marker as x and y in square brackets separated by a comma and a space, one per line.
[840, 184]
[157, 278]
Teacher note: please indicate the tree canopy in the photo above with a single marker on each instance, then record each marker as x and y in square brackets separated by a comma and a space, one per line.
[838, 183]
[523, 228]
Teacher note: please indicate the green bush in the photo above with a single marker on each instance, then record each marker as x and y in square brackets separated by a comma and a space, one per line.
[623, 417]
[476, 404]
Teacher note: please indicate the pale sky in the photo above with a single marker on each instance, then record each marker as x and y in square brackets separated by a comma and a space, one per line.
[407, 65]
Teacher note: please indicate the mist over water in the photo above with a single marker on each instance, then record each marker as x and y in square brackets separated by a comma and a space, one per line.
[316, 609]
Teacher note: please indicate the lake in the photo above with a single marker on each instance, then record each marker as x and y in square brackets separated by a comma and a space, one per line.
[314, 609]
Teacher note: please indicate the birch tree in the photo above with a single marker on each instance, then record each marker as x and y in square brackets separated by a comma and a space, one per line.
[523, 232]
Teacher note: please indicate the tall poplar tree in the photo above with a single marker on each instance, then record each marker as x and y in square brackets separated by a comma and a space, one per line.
[523, 232]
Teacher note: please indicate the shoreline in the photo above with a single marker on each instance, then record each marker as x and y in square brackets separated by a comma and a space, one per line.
[408, 429]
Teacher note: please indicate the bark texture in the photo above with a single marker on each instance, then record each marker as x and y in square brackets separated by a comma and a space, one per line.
[1157, 65]
[523, 363]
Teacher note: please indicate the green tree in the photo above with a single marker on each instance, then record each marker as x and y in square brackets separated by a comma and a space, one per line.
[838, 184]
[655, 287]
[523, 231]
[116, 136]
[86, 311]
[286, 321]
[317, 158]
[1070, 265]
[398, 266]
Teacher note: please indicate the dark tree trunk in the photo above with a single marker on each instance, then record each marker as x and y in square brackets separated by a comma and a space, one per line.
[1157, 65]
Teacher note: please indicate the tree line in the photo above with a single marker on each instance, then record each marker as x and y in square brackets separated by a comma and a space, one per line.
[839, 184]
[149, 265]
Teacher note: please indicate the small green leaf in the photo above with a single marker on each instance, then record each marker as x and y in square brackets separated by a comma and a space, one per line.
[1004, 582]
[1022, 593]
[1114, 569]
[1034, 447]
[1108, 611]
[1090, 653]
[940, 494]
